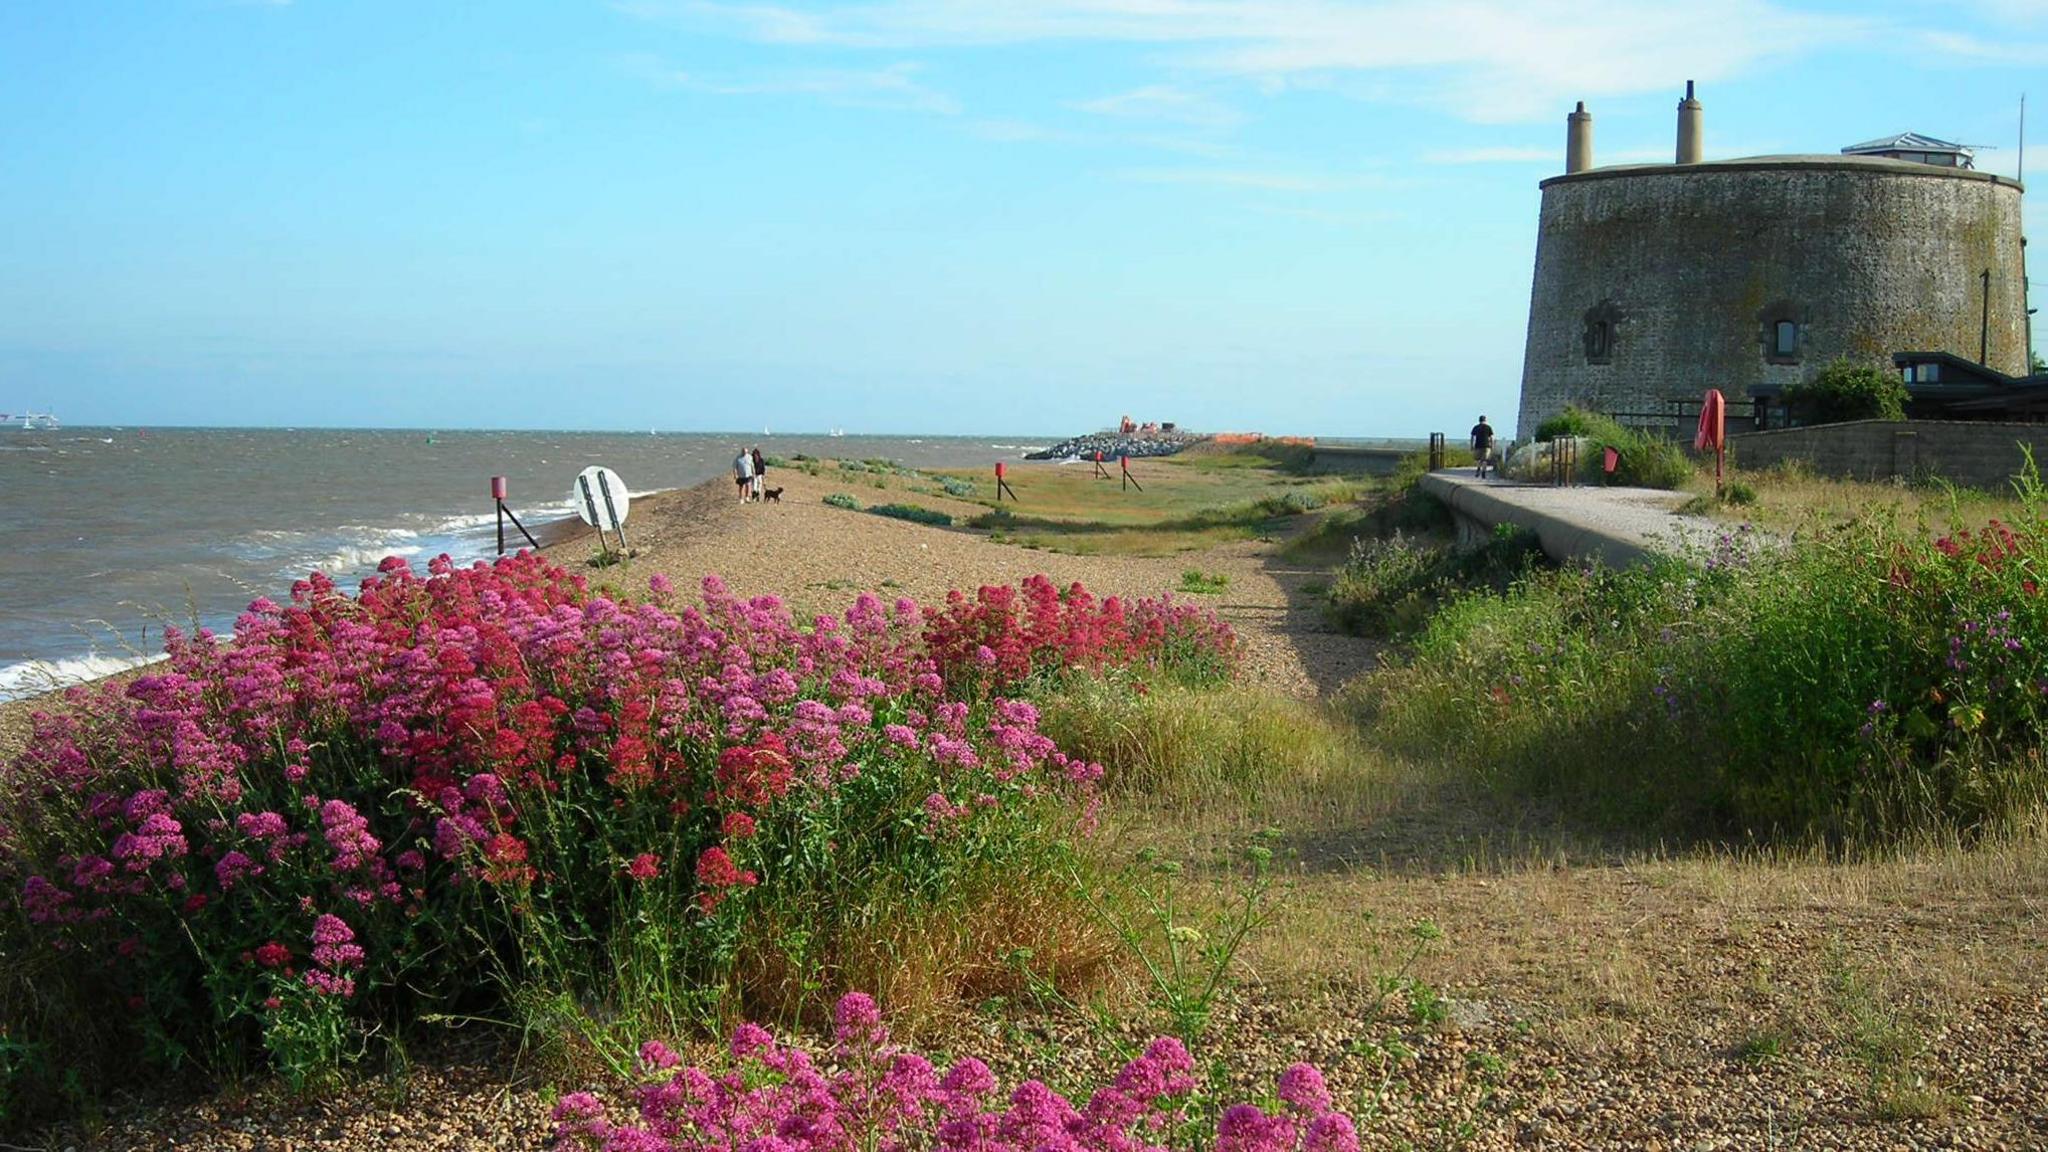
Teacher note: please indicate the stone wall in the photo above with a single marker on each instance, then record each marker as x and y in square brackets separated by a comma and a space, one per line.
[1690, 266]
[1971, 453]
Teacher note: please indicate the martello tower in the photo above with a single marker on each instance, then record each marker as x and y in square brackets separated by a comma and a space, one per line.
[1655, 282]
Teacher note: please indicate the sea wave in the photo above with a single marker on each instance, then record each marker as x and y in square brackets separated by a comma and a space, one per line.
[350, 559]
[34, 677]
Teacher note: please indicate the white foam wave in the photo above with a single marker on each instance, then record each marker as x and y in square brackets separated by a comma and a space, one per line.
[33, 677]
[348, 560]
[464, 523]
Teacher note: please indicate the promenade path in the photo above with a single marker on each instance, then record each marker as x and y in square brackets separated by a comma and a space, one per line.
[1619, 526]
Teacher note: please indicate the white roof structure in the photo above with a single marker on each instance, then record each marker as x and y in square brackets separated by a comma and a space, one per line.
[1914, 142]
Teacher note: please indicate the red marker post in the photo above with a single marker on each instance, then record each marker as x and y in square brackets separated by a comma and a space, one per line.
[1002, 485]
[1713, 432]
[1130, 481]
[1101, 473]
[498, 489]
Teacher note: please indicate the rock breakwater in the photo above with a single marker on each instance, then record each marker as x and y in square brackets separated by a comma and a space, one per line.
[1113, 445]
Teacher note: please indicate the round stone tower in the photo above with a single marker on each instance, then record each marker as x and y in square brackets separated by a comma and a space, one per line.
[1656, 282]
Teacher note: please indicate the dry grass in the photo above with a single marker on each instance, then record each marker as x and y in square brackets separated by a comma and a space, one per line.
[1877, 985]
[1790, 497]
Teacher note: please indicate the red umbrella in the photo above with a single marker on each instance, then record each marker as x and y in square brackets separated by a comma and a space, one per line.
[1713, 432]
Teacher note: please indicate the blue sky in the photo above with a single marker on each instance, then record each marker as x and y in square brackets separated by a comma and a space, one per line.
[899, 215]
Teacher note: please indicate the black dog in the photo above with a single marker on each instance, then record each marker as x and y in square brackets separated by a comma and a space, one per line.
[774, 495]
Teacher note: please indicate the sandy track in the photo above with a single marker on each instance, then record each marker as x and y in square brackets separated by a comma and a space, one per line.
[818, 558]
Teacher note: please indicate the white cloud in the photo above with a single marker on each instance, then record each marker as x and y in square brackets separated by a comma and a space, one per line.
[1020, 132]
[1262, 179]
[1165, 102]
[1487, 60]
[1968, 47]
[894, 88]
[1506, 155]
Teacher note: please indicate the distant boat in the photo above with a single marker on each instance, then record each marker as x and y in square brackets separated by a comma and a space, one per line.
[28, 422]
[838, 432]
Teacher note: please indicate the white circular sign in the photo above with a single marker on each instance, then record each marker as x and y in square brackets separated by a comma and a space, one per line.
[600, 498]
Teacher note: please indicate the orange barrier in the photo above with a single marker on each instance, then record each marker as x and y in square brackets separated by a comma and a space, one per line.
[1261, 438]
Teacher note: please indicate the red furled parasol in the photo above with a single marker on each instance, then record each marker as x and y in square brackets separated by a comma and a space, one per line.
[1713, 432]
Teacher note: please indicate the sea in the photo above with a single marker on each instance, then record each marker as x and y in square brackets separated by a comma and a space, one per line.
[108, 534]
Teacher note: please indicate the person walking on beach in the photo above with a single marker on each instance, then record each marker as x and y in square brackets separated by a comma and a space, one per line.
[743, 472]
[760, 475]
[1482, 446]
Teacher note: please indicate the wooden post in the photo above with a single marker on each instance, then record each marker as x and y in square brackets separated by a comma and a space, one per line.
[1130, 481]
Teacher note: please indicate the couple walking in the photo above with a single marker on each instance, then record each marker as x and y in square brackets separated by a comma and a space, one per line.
[749, 470]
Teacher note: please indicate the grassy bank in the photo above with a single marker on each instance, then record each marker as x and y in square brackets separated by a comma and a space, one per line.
[1176, 504]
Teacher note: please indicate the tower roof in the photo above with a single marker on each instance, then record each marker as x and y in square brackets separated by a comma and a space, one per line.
[1908, 142]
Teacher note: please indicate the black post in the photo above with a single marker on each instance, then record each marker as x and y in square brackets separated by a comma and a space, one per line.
[1436, 451]
[501, 527]
[1984, 332]
[516, 524]
[604, 545]
[618, 521]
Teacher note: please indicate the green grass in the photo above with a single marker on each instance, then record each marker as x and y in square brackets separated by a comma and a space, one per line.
[1857, 687]
[914, 514]
[1646, 460]
[1214, 745]
[1197, 582]
[1391, 586]
[1184, 505]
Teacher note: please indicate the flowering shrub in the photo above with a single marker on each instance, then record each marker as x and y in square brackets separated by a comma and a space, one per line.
[1004, 636]
[871, 1094]
[1865, 682]
[448, 788]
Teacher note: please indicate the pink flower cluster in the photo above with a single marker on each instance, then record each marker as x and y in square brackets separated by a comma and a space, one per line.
[1004, 636]
[869, 1094]
[357, 767]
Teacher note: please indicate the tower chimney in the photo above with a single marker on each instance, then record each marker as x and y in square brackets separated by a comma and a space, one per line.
[1578, 140]
[1691, 133]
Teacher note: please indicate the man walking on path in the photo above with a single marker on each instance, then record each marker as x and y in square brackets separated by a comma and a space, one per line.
[1482, 446]
[743, 472]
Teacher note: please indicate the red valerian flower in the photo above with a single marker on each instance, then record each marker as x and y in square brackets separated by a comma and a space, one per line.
[717, 872]
[505, 860]
[645, 866]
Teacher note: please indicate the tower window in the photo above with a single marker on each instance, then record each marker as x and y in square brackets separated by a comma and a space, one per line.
[1781, 334]
[1603, 327]
[1785, 339]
